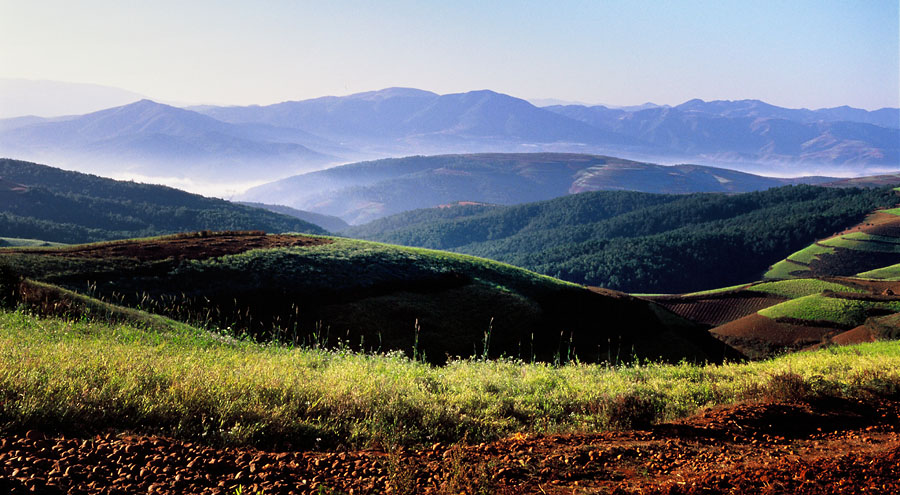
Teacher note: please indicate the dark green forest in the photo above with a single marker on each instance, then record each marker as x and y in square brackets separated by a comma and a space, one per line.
[639, 242]
[71, 207]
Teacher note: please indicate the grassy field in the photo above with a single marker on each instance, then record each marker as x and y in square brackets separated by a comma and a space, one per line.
[809, 253]
[799, 287]
[864, 242]
[817, 307]
[887, 273]
[82, 375]
[784, 270]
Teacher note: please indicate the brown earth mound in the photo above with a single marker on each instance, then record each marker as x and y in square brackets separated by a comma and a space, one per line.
[858, 335]
[826, 447]
[718, 309]
[847, 262]
[758, 337]
[201, 245]
[880, 223]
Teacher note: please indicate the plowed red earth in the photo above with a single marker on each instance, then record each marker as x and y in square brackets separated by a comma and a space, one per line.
[183, 246]
[757, 336]
[718, 310]
[829, 447]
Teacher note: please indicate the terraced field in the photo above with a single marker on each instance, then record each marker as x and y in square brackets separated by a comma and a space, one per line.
[870, 245]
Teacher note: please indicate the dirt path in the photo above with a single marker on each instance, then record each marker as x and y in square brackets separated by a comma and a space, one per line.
[820, 448]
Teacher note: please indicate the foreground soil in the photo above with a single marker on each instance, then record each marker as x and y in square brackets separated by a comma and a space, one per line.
[822, 447]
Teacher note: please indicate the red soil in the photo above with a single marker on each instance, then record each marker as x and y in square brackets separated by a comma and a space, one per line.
[757, 336]
[858, 335]
[829, 447]
[182, 246]
[878, 223]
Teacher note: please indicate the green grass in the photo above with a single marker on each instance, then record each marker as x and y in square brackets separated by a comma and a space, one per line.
[890, 273]
[809, 253]
[800, 287]
[783, 270]
[862, 236]
[817, 307]
[863, 243]
[83, 376]
[892, 211]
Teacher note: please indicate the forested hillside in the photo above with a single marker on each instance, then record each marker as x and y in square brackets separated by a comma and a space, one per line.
[41, 202]
[639, 242]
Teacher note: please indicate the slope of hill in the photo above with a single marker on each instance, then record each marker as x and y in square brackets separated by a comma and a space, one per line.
[762, 319]
[41, 202]
[868, 246]
[364, 191]
[326, 291]
[639, 242]
[327, 222]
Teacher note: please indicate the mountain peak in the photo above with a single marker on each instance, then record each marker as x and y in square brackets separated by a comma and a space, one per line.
[393, 92]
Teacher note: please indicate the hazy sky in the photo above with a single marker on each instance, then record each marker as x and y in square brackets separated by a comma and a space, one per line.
[792, 53]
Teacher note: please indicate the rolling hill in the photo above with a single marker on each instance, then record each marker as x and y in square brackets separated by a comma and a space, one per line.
[321, 291]
[41, 202]
[361, 192]
[638, 242]
[327, 222]
[871, 245]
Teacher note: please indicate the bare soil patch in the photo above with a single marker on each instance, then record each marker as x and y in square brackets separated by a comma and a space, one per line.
[828, 446]
[719, 309]
[757, 336]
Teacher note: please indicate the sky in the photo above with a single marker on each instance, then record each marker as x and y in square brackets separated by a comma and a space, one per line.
[797, 53]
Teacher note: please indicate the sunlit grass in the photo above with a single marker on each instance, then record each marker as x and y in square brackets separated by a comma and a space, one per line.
[887, 273]
[818, 307]
[82, 375]
[799, 287]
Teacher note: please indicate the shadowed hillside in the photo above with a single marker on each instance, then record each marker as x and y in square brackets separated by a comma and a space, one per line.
[336, 292]
[41, 202]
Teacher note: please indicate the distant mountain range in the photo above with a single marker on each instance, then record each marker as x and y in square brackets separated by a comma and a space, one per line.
[362, 192]
[156, 140]
[254, 144]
